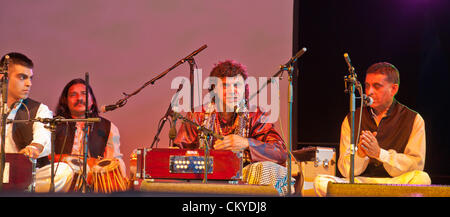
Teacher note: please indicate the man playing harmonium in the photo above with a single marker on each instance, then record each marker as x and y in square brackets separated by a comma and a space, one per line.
[247, 131]
[103, 137]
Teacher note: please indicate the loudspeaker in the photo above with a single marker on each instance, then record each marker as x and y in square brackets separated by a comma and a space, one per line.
[386, 190]
[209, 189]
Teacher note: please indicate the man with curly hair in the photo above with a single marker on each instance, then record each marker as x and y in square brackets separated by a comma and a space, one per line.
[243, 128]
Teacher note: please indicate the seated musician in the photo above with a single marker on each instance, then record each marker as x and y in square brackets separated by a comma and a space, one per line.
[32, 140]
[259, 140]
[103, 138]
[391, 146]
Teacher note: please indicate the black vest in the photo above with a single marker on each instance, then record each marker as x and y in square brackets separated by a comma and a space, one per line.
[97, 139]
[22, 133]
[393, 132]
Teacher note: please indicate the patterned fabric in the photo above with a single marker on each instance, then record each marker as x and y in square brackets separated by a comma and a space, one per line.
[265, 143]
[268, 173]
[266, 147]
[77, 148]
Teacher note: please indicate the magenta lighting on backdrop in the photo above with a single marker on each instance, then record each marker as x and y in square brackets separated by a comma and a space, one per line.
[124, 44]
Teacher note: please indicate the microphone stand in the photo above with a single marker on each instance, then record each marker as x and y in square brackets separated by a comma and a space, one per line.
[207, 135]
[165, 117]
[123, 101]
[52, 126]
[4, 107]
[289, 67]
[350, 82]
[203, 129]
[86, 134]
[191, 62]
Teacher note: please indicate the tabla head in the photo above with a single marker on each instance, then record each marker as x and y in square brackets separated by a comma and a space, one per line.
[75, 162]
[106, 165]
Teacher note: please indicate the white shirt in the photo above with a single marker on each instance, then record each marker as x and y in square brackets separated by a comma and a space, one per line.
[395, 163]
[41, 135]
[112, 149]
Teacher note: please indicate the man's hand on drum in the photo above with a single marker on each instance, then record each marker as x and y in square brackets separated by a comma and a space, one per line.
[33, 150]
[231, 142]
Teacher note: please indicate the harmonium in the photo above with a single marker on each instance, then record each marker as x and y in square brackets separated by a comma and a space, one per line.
[168, 170]
[188, 164]
[17, 173]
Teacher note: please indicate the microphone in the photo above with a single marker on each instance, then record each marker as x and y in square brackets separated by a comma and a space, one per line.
[294, 58]
[118, 104]
[298, 55]
[349, 63]
[367, 100]
[195, 53]
[108, 108]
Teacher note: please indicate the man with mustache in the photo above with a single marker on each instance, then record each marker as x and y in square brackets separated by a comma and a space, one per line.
[391, 147]
[32, 140]
[103, 137]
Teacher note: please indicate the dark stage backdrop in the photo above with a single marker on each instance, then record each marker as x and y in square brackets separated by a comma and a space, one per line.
[123, 44]
[411, 34]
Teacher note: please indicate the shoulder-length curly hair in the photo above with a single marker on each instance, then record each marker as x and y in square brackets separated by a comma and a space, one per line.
[231, 68]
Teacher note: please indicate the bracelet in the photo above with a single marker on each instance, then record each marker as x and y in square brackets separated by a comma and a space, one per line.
[33, 147]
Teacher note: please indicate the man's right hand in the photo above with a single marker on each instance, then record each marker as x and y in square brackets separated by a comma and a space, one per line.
[360, 151]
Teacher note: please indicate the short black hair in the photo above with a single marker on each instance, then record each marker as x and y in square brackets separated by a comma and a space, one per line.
[385, 68]
[18, 58]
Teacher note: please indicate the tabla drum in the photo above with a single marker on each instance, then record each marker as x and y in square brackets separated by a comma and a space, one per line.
[107, 178]
[76, 163]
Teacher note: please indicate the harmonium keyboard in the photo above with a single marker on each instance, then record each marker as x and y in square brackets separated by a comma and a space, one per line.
[188, 164]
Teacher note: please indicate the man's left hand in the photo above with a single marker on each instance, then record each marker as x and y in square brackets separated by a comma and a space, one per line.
[231, 142]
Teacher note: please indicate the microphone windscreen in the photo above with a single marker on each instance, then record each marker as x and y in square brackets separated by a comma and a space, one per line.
[103, 109]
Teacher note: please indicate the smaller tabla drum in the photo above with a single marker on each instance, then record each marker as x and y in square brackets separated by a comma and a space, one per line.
[76, 163]
[107, 178]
